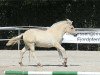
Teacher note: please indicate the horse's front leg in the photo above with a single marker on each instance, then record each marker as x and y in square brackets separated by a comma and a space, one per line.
[21, 56]
[62, 53]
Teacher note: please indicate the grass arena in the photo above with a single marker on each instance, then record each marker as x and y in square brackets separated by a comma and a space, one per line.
[85, 61]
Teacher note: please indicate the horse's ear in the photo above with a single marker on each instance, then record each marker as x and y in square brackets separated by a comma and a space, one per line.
[67, 19]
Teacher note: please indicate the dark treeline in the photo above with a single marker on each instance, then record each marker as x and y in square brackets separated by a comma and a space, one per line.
[84, 13]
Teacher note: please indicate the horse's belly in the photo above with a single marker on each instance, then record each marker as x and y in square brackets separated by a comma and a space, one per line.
[48, 45]
[44, 40]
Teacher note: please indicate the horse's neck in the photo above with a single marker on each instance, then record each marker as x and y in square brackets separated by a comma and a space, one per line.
[58, 31]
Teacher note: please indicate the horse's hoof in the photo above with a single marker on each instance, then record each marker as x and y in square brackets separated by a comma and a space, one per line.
[39, 65]
[64, 64]
[21, 64]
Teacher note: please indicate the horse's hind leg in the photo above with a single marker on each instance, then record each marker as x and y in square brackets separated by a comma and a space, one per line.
[32, 49]
[21, 55]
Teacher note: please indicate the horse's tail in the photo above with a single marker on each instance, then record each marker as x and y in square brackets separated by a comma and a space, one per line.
[14, 40]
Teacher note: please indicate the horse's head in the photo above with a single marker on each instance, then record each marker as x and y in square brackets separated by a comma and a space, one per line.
[70, 28]
[63, 26]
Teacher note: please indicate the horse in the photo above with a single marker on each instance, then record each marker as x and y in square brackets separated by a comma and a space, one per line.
[52, 37]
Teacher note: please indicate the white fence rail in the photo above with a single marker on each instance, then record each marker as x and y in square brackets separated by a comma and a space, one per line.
[84, 35]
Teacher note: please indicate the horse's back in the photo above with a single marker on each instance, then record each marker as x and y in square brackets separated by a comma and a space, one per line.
[30, 34]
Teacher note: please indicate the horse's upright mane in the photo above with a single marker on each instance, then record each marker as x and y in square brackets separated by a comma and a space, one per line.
[67, 21]
[58, 23]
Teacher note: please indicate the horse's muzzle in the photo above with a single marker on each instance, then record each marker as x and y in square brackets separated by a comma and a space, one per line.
[75, 34]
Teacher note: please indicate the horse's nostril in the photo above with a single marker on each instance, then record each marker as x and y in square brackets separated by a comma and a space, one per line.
[75, 34]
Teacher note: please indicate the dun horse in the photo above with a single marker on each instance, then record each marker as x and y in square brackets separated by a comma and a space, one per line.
[52, 37]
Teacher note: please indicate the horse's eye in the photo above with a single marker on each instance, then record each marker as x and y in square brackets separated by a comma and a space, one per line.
[72, 28]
